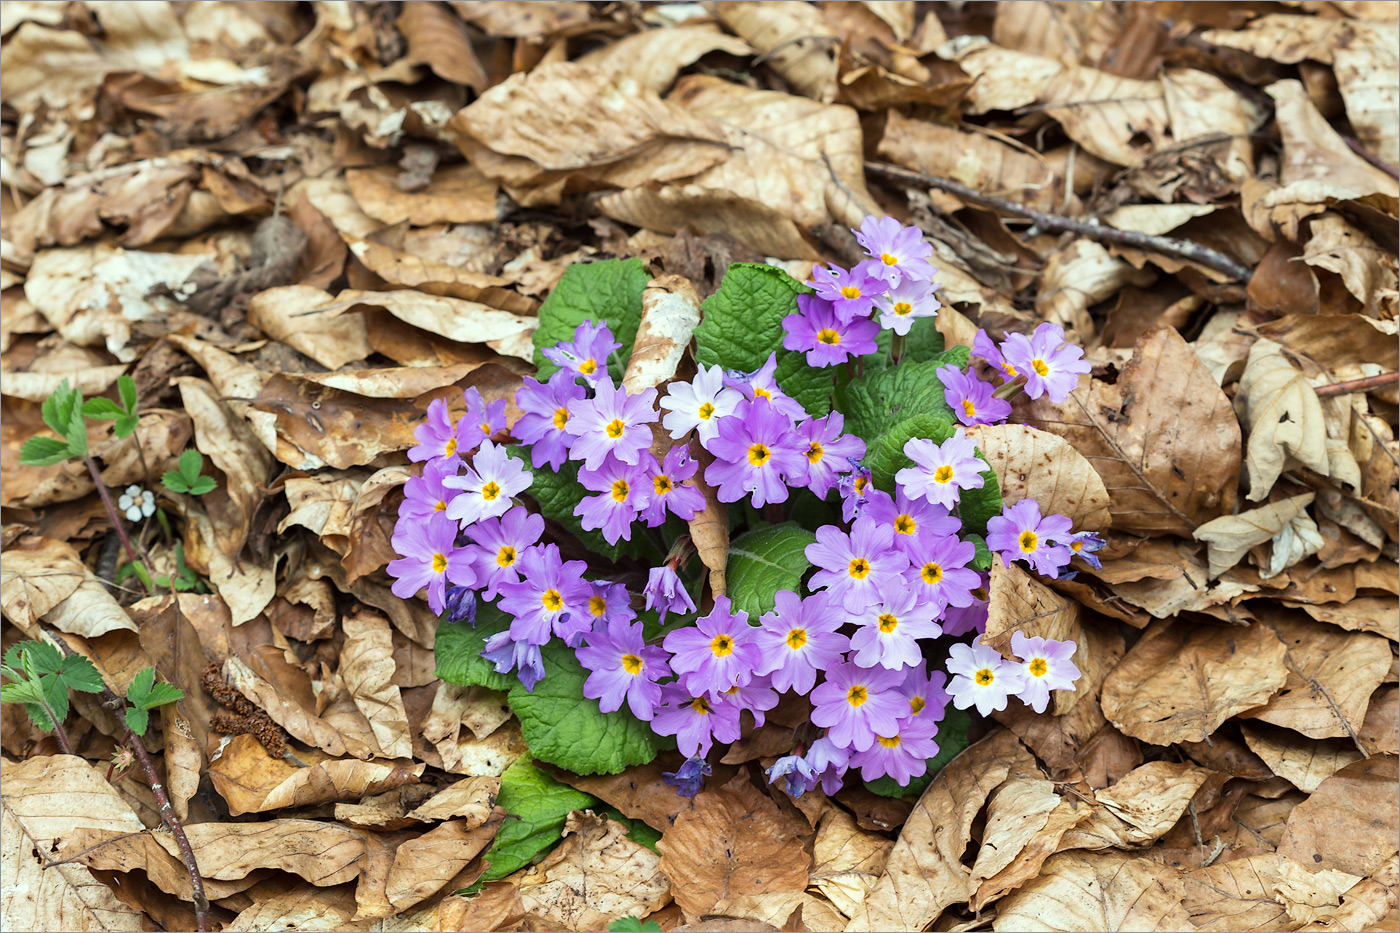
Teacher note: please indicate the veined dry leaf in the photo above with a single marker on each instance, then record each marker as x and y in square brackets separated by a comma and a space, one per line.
[925, 873]
[1016, 812]
[1344, 824]
[109, 850]
[1368, 905]
[670, 314]
[37, 386]
[795, 38]
[287, 904]
[440, 40]
[233, 446]
[654, 57]
[1242, 894]
[1367, 270]
[595, 876]
[291, 714]
[1021, 603]
[297, 315]
[1304, 762]
[1231, 536]
[1380, 732]
[472, 798]
[1154, 219]
[1181, 680]
[1004, 79]
[323, 853]
[38, 574]
[846, 860]
[1096, 891]
[89, 610]
[252, 781]
[453, 318]
[457, 194]
[1284, 417]
[423, 865]
[1154, 796]
[1043, 843]
[1165, 471]
[323, 503]
[1035, 464]
[367, 665]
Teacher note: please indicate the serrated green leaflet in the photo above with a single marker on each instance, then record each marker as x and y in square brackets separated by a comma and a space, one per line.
[951, 738]
[558, 494]
[762, 562]
[564, 728]
[744, 323]
[43, 451]
[879, 402]
[633, 925]
[975, 506]
[607, 292]
[538, 806]
[457, 650]
[886, 456]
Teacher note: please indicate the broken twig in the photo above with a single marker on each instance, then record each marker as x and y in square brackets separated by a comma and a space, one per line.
[1364, 384]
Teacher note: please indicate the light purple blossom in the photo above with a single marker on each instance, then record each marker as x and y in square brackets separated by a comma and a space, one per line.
[499, 544]
[925, 692]
[762, 383]
[696, 722]
[903, 754]
[896, 252]
[818, 331]
[547, 595]
[938, 571]
[508, 655]
[1019, 533]
[940, 470]
[610, 603]
[546, 417]
[829, 761]
[855, 703]
[460, 605]
[961, 620]
[1048, 665]
[666, 593]
[623, 491]
[756, 454]
[888, 630]
[668, 490]
[912, 520]
[688, 777]
[857, 491]
[437, 436]
[587, 355]
[855, 566]
[798, 639]
[985, 347]
[982, 677]
[487, 488]
[797, 774]
[1051, 366]
[717, 652]
[623, 666]
[757, 696]
[850, 293]
[486, 417]
[970, 398]
[906, 302]
[1086, 545]
[612, 422]
[829, 453]
[426, 495]
[431, 558]
[699, 404]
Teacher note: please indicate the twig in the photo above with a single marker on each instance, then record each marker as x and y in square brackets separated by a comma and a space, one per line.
[1364, 384]
[112, 513]
[1163, 245]
[59, 732]
[1355, 146]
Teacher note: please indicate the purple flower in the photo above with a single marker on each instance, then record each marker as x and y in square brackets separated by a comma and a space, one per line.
[888, 631]
[940, 470]
[1048, 665]
[1051, 366]
[924, 690]
[546, 417]
[829, 453]
[487, 417]
[612, 422]
[499, 545]
[508, 655]
[610, 603]
[437, 436]
[666, 593]
[938, 571]
[982, 677]
[695, 721]
[623, 665]
[426, 495]
[548, 593]
[797, 774]
[913, 520]
[798, 638]
[757, 696]
[896, 252]
[460, 605]
[430, 558]
[960, 620]
[820, 333]
[850, 293]
[1086, 544]
[854, 566]
[668, 491]
[856, 702]
[1019, 533]
[970, 398]
[857, 491]
[985, 347]
[622, 493]
[908, 300]
[903, 754]
[829, 761]
[688, 777]
[698, 405]
[588, 354]
[717, 652]
[488, 486]
[762, 383]
[755, 452]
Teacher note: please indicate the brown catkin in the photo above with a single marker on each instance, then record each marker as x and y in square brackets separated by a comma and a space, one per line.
[245, 718]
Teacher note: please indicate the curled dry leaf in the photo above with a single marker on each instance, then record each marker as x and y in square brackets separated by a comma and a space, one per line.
[1097, 891]
[291, 714]
[709, 529]
[670, 314]
[38, 574]
[654, 57]
[367, 666]
[471, 798]
[847, 861]
[453, 318]
[1343, 824]
[1230, 537]
[1081, 274]
[795, 39]
[251, 781]
[1043, 843]
[458, 194]
[108, 850]
[297, 315]
[1035, 464]
[1017, 812]
[1303, 762]
[1284, 417]
[440, 40]
[423, 865]
[324, 854]
[1154, 796]
[1180, 681]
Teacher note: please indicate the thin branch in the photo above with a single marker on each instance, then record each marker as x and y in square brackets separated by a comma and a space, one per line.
[1364, 384]
[1355, 146]
[112, 512]
[1162, 245]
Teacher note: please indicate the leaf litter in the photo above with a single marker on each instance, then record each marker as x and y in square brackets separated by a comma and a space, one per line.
[298, 226]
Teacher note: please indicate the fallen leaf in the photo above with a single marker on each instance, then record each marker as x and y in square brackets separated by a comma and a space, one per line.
[1082, 274]
[1035, 464]
[652, 58]
[293, 907]
[1242, 894]
[795, 39]
[423, 865]
[1367, 270]
[1097, 891]
[297, 316]
[453, 318]
[458, 194]
[472, 798]
[1284, 417]
[846, 861]
[38, 574]
[291, 714]
[1340, 825]
[670, 314]
[1043, 842]
[441, 41]
[1380, 731]
[367, 665]
[109, 850]
[1153, 797]
[252, 781]
[1231, 536]
[1304, 762]
[1016, 812]
[322, 853]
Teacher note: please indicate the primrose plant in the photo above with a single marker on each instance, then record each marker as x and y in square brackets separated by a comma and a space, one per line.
[832, 422]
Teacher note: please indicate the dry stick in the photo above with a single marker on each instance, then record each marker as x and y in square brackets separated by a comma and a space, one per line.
[1163, 245]
[1355, 146]
[1364, 384]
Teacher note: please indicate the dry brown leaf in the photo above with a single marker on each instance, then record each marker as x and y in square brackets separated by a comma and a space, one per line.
[1380, 731]
[458, 194]
[441, 41]
[1244, 894]
[1304, 762]
[670, 314]
[795, 39]
[323, 853]
[1368, 271]
[38, 574]
[652, 58]
[37, 386]
[297, 316]
[367, 666]
[108, 850]
[1284, 416]
[471, 798]
[537, 22]
[1043, 843]
[709, 529]
[847, 862]
[292, 713]
[1081, 274]
[289, 905]
[423, 865]
[1153, 797]
[1097, 891]
[1165, 471]
[453, 318]
[1341, 825]
[1181, 680]
[1035, 464]
[925, 873]
[1284, 522]
[252, 781]
[1016, 812]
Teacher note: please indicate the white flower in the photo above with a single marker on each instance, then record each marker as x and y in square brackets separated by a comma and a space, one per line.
[982, 676]
[699, 405]
[137, 503]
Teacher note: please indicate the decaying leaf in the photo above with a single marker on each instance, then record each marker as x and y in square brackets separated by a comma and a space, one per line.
[1283, 522]
[1090, 891]
[1304, 762]
[251, 781]
[1342, 825]
[1284, 417]
[1035, 464]
[670, 314]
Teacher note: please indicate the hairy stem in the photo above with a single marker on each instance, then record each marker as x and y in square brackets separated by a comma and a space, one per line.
[59, 732]
[114, 515]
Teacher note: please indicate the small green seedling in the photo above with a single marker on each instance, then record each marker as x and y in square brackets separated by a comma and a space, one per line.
[41, 678]
[144, 695]
[62, 411]
[633, 925]
[125, 414]
[184, 579]
[188, 478]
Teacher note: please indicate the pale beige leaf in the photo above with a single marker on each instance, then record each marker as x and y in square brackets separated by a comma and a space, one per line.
[324, 854]
[847, 861]
[290, 714]
[1313, 151]
[1368, 271]
[458, 194]
[670, 314]
[1005, 79]
[794, 37]
[1370, 904]
[1016, 812]
[470, 798]
[1284, 417]
[1240, 894]
[1343, 824]
[299, 316]
[297, 908]
[53, 796]
[1231, 536]
[367, 665]
[1304, 762]
[423, 865]
[1068, 813]
[251, 781]
[1035, 464]
[38, 574]
[1153, 797]
[1154, 219]
[453, 318]
[90, 610]
[37, 386]
[1096, 892]
[108, 850]
[1021, 603]
[654, 57]
[440, 40]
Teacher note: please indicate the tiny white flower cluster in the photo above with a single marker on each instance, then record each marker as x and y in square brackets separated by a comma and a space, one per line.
[137, 503]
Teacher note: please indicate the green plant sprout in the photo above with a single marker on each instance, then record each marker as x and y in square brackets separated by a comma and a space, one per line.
[189, 477]
[633, 925]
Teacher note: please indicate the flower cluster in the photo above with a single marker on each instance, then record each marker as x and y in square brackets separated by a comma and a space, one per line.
[896, 583]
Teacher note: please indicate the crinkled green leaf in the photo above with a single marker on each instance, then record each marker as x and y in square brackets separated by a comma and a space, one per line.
[56, 694]
[76, 431]
[762, 562]
[558, 494]
[538, 806]
[457, 650]
[37, 657]
[174, 481]
[58, 408]
[922, 343]
[975, 506]
[137, 719]
[951, 738]
[982, 558]
[743, 324]
[126, 388]
[608, 292]
[563, 727]
[162, 694]
[886, 456]
[140, 686]
[878, 402]
[43, 451]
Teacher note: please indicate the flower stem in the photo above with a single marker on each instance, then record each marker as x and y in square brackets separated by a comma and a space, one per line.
[1011, 389]
[896, 349]
[115, 516]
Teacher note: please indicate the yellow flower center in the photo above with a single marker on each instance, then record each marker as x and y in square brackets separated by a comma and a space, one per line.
[439, 563]
[552, 600]
[980, 593]
[759, 454]
[722, 646]
[851, 292]
[969, 409]
[828, 336]
[505, 556]
[700, 706]
[441, 506]
[856, 695]
[931, 573]
[1075, 546]
[762, 393]
[892, 742]
[815, 452]
[451, 447]
[662, 485]
[631, 664]
[615, 428]
[561, 418]
[588, 367]
[1040, 368]
[490, 491]
[916, 705]
[620, 490]
[905, 525]
[859, 568]
[796, 639]
[903, 308]
[1028, 542]
[1009, 369]
[859, 485]
[486, 428]
[943, 474]
[597, 605]
[705, 411]
[889, 260]
[888, 623]
[983, 677]
[1038, 667]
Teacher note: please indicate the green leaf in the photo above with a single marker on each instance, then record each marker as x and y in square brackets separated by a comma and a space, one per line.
[564, 728]
[43, 451]
[878, 402]
[922, 343]
[982, 558]
[77, 428]
[763, 561]
[56, 694]
[126, 388]
[21, 691]
[633, 925]
[743, 324]
[202, 485]
[952, 739]
[886, 457]
[174, 482]
[608, 292]
[191, 465]
[457, 649]
[162, 694]
[558, 494]
[637, 830]
[137, 719]
[140, 687]
[975, 506]
[79, 674]
[40, 657]
[102, 409]
[538, 806]
[58, 407]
